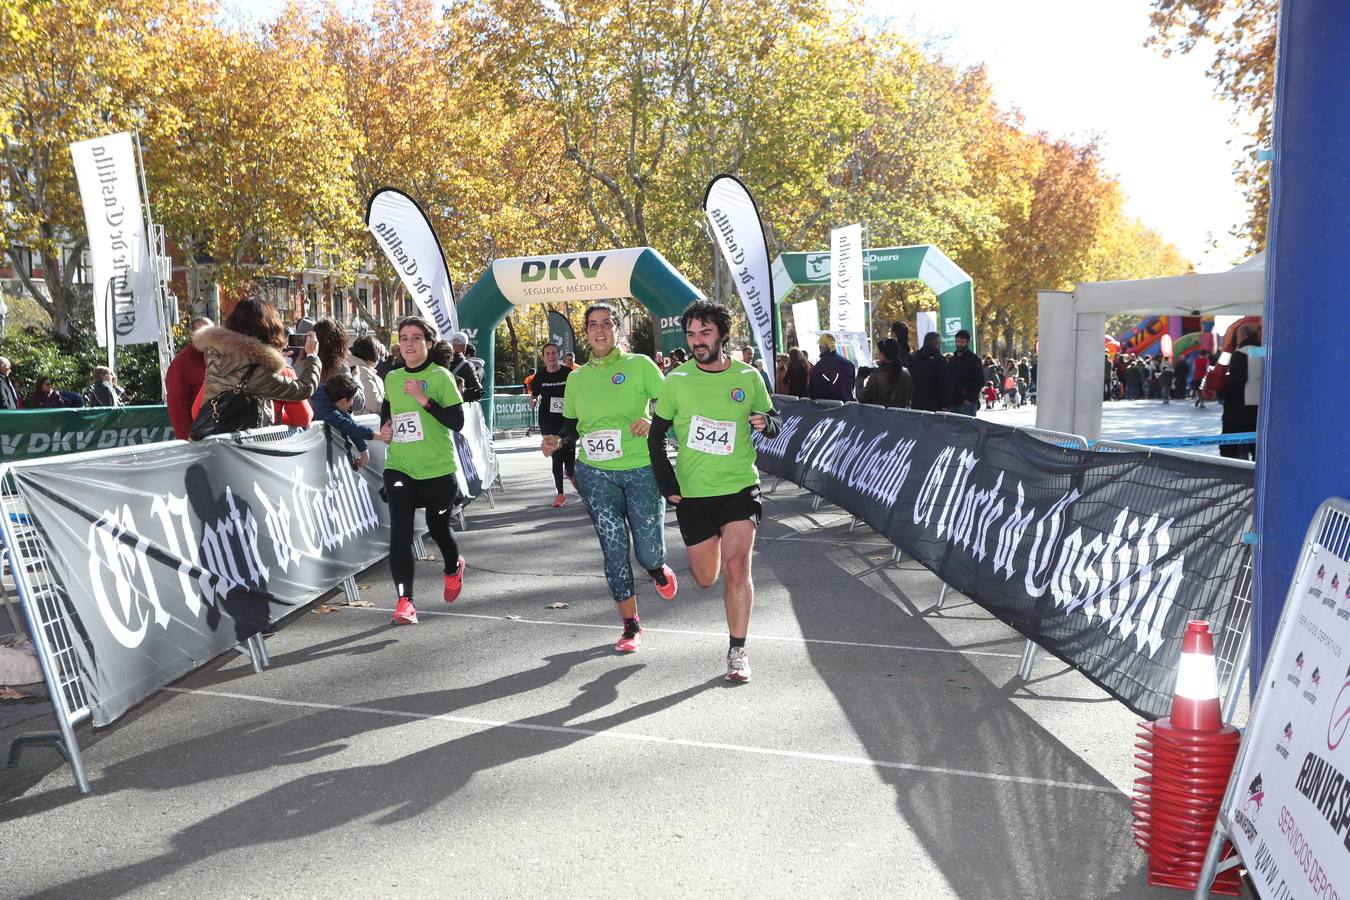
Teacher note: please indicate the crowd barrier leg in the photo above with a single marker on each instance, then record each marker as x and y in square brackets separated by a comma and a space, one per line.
[63, 741]
[896, 554]
[1028, 660]
[1238, 678]
[251, 645]
[261, 647]
[349, 589]
[815, 502]
[498, 483]
[492, 501]
[942, 597]
[419, 548]
[852, 523]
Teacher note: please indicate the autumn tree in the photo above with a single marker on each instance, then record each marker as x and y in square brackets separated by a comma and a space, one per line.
[257, 176]
[71, 70]
[1242, 34]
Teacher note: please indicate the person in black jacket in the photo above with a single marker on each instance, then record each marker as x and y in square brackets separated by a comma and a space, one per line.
[1241, 395]
[967, 377]
[888, 384]
[928, 369]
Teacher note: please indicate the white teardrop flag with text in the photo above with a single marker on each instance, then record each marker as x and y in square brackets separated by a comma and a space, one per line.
[405, 235]
[119, 250]
[740, 235]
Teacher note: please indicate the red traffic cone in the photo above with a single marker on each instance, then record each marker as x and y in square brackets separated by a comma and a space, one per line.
[1185, 761]
[1195, 705]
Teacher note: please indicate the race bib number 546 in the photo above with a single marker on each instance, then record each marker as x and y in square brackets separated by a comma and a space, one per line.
[602, 445]
[712, 436]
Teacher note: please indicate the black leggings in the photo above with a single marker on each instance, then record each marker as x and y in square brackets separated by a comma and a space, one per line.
[564, 458]
[406, 494]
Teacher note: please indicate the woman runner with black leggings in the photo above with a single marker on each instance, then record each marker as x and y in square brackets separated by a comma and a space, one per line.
[422, 406]
[547, 389]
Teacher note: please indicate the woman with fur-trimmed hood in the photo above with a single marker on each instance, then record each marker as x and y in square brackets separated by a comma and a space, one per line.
[254, 334]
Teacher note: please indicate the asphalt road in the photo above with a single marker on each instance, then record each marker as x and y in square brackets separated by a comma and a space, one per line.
[499, 748]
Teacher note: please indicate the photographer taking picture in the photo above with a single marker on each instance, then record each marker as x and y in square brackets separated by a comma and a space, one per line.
[244, 369]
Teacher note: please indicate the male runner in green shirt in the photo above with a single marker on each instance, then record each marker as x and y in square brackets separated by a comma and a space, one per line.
[713, 402]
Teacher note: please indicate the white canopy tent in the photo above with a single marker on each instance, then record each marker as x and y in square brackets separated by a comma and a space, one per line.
[1070, 371]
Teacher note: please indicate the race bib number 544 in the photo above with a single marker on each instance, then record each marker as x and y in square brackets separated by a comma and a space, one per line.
[602, 445]
[711, 436]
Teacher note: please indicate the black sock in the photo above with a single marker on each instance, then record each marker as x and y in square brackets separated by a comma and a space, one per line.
[658, 575]
[737, 642]
[631, 626]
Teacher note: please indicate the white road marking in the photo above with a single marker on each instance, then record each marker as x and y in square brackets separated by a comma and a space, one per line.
[716, 634]
[575, 731]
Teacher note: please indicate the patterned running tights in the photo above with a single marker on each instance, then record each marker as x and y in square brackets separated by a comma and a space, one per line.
[622, 502]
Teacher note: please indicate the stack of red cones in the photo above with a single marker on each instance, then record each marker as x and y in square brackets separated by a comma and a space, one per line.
[1186, 759]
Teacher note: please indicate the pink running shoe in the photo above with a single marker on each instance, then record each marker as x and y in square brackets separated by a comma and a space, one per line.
[405, 613]
[667, 590]
[454, 583]
[559, 501]
[629, 641]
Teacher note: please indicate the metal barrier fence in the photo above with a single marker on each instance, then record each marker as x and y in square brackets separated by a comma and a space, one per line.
[52, 630]
[47, 610]
[1232, 633]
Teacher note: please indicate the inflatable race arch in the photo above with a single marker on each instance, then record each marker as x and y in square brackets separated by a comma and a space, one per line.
[585, 277]
[922, 262]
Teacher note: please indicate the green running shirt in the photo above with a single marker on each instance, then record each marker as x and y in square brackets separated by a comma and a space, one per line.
[422, 447]
[711, 412]
[606, 396]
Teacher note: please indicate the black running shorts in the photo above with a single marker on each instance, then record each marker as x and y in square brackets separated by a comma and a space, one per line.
[701, 518]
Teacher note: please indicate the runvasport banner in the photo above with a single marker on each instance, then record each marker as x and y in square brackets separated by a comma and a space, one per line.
[166, 558]
[1099, 557]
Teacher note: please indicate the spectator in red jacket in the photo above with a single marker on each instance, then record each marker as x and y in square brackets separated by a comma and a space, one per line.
[184, 382]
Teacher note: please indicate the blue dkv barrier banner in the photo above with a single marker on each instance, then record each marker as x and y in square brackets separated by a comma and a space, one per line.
[166, 558]
[1099, 557]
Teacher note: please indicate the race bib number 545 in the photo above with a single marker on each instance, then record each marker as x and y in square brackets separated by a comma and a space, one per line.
[602, 445]
[711, 436]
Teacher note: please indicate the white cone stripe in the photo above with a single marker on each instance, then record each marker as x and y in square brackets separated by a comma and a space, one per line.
[1198, 677]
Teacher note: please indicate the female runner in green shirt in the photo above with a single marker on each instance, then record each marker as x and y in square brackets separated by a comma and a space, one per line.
[606, 414]
[421, 407]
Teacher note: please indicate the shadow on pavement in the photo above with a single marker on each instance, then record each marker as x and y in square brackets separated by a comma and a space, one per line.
[988, 838]
[382, 793]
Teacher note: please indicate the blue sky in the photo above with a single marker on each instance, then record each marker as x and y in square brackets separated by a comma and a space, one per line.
[1078, 69]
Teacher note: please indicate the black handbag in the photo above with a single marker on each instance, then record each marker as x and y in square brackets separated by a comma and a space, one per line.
[228, 411]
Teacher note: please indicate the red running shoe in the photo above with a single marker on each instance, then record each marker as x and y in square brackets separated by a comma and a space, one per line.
[630, 641]
[405, 613]
[671, 585]
[454, 583]
[559, 501]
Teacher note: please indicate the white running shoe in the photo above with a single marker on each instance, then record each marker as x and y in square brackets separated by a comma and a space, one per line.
[738, 665]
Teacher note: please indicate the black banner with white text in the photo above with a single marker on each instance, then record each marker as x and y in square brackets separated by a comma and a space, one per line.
[165, 558]
[1099, 557]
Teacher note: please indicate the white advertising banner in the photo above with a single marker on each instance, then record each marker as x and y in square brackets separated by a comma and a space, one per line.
[119, 250]
[564, 277]
[925, 323]
[1288, 807]
[740, 236]
[806, 319]
[405, 235]
[846, 280]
